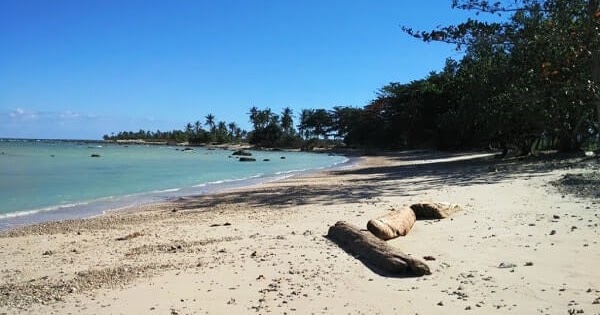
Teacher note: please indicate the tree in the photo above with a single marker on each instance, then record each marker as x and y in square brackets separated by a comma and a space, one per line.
[232, 129]
[537, 66]
[189, 128]
[316, 122]
[287, 122]
[221, 133]
[198, 127]
[210, 122]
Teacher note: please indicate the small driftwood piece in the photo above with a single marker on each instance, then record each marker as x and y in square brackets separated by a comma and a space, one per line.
[129, 236]
[393, 224]
[375, 252]
[434, 210]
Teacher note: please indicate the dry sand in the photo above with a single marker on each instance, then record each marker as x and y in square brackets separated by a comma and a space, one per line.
[520, 247]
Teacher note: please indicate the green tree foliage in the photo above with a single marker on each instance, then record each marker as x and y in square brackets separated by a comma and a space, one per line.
[528, 77]
[316, 123]
[193, 133]
[287, 121]
[272, 130]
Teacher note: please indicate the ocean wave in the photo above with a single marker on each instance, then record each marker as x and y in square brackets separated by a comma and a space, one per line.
[41, 210]
[164, 191]
[224, 181]
[292, 171]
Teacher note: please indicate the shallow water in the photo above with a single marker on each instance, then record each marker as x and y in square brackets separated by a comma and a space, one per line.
[45, 180]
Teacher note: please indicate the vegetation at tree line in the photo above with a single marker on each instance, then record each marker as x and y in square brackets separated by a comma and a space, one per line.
[529, 79]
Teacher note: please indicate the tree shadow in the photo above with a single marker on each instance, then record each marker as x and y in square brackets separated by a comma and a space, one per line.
[435, 170]
[417, 171]
[286, 196]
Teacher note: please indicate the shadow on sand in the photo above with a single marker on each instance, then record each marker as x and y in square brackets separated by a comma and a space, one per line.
[410, 170]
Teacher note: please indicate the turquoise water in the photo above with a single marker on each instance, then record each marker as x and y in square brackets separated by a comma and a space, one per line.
[43, 180]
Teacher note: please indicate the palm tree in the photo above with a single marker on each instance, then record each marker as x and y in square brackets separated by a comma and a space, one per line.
[232, 127]
[210, 122]
[254, 117]
[198, 125]
[221, 132]
[287, 123]
[189, 129]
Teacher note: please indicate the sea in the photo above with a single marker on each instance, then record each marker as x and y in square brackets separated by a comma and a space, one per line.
[49, 180]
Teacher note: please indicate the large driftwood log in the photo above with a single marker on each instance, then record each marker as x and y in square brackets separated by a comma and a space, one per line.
[393, 224]
[434, 210]
[375, 252]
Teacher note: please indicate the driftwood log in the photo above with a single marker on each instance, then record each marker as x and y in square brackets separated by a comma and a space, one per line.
[375, 252]
[393, 224]
[434, 210]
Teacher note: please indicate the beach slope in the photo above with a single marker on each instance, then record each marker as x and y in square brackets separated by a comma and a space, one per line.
[521, 246]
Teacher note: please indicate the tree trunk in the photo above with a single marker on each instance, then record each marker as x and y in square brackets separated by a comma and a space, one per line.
[394, 224]
[592, 11]
[375, 252]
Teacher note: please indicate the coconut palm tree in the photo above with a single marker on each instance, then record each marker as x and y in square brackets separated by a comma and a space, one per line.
[197, 125]
[287, 122]
[210, 122]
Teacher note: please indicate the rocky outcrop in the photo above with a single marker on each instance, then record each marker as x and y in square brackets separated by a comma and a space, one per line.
[241, 153]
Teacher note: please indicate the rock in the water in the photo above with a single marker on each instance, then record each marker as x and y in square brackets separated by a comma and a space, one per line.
[95, 155]
[434, 210]
[247, 159]
[241, 153]
[394, 224]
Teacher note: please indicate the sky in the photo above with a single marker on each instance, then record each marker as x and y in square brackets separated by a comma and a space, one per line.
[82, 69]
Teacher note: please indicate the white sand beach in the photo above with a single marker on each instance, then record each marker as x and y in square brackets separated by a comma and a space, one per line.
[519, 247]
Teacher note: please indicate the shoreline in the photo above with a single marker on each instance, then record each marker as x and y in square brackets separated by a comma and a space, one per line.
[101, 206]
[261, 248]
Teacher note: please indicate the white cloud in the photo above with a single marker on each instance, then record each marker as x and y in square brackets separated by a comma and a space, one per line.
[23, 114]
[21, 122]
[69, 115]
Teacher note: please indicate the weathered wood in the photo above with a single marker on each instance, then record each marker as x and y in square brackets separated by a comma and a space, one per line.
[434, 210]
[393, 224]
[375, 252]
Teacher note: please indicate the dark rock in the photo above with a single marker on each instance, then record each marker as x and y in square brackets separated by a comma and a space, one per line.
[283, 157]
[95, 155]
[241, 153]
[187, 149]
[266, 160]
[247, 159]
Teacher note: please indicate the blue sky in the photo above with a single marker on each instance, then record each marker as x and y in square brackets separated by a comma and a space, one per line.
[81, 69]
